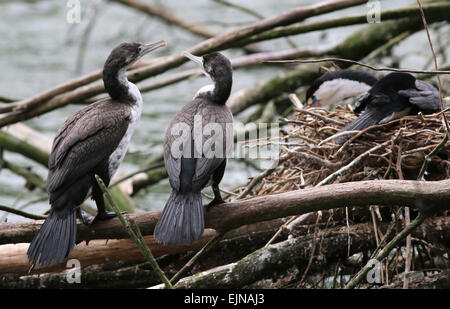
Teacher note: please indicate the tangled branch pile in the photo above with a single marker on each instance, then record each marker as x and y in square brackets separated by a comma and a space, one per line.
[394, 150]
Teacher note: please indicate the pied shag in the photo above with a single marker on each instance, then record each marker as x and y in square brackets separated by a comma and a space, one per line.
[190, 165]
[395, 95]
[92, 141]
[334, 86]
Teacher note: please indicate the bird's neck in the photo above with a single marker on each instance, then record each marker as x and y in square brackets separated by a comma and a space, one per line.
[219, 92]
[117, 84]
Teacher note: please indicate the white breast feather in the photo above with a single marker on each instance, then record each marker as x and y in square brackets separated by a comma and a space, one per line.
[207, 88]
[117, 156]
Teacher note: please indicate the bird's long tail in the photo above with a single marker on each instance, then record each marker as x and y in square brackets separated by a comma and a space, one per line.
[364, 120]
[55, 239]
[182, 219]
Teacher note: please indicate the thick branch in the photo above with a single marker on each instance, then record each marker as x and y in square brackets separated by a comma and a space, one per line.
[425, 196]
[267, 261]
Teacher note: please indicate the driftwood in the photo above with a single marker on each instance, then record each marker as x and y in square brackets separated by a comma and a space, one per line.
[426, 196]
[429, 196]
[235, 247]
[276, 258]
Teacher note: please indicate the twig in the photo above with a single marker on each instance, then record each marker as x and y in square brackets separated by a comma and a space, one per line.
[349, 166]
[386, 250]
[21, 213]
[254, 182]
[188, 266]
[252, 13]
[444, 118]
[428, 157]
[326, 119]
[313, 159]
[408, 251]
[313, 249]
[333, 59]
[305, 27]
[281, 228]
[135, 234]
[159, 11]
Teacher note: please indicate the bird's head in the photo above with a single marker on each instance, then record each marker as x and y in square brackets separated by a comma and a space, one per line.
[214, 65]
[126, 54]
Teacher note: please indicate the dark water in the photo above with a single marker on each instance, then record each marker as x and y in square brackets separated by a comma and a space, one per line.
[39, 49]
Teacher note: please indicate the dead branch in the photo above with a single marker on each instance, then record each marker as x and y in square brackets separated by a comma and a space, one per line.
[276, 258]
[159, 11]
[427, 196]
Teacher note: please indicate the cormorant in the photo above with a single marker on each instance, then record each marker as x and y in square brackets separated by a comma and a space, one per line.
[393, 96]
[92, 141]
[334, 86]
[190, 159]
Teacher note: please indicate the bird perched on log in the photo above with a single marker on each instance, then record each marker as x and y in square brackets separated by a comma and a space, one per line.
[393, 96]
[92, 141]
[195, 147]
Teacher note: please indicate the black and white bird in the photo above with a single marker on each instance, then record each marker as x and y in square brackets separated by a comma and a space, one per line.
[92, 141]
[395, 95]
[334, 86]
[195, 149]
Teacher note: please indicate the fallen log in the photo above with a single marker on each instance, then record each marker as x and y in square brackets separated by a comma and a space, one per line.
[426, 196]
[267, 261]
[131, 272]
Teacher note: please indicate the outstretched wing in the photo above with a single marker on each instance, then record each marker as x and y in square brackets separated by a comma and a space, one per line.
[85, 140]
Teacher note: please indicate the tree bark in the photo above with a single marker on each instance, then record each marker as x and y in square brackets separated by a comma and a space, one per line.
[426, 196]
[276, 258]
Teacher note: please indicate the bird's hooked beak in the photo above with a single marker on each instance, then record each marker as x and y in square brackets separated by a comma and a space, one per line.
[198, 60]
[152, 46]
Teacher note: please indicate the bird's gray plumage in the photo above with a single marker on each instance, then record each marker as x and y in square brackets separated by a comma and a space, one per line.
[91, 141]
[189, 164]
[219, 114]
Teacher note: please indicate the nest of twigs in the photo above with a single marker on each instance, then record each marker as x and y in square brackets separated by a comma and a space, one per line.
[395, 150]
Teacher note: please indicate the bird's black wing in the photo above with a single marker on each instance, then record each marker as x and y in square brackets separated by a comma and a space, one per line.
[85, 139]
